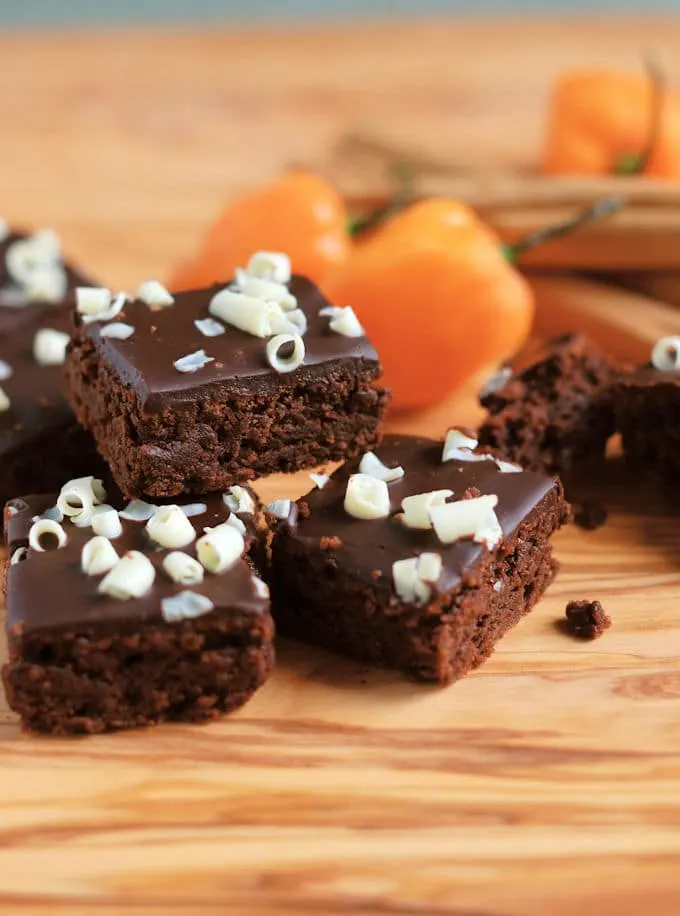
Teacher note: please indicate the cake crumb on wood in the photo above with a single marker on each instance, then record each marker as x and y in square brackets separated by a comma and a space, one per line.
[587, 619]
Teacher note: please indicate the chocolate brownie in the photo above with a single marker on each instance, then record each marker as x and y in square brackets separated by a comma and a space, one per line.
[587, 619]
[41, 445]
[553, 410]
[33, 273]
[440, 610]
[175, 411]
[116, 647]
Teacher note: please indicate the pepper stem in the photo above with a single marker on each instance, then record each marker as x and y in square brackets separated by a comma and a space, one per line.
[636, 163]
[601, 209]
[403, 176]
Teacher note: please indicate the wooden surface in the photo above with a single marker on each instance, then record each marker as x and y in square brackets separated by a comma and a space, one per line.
[546, 783]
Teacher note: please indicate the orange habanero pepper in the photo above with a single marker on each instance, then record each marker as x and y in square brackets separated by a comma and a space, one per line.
[299, 213]
[604, 122]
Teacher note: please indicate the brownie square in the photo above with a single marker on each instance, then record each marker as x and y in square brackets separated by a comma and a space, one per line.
[553, 410]
[41, 444]
[647, 407]
[85, 662]
[165, 432]
[332, 575]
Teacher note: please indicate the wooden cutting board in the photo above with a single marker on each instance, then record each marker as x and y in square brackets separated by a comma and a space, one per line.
[546, 783]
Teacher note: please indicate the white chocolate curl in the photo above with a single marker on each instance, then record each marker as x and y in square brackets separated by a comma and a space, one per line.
[460, 447]
[106, 521]
[43, 528]
[366, 497]
[415, 576]
[131, 577]
[345, 322]
[98, 556]
[244, 312]
[185, 606]
[182, 568]
[220, 548]
[95, 303]
[468, 518]
[666, 354]
[78, 497]
[192, 362]
[270, 265]
[372, 465]
[236, 522]
[238, 499]
[269, 290]
[287, 363]
[49, 347]
[170, 527]
[279, 508]
[261, 588]
[154, 294]
[417, 508]
[5, 402]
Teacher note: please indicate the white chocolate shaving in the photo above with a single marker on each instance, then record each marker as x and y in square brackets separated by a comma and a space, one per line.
[34, 264]
[5, 402]
[92, 300]
[236, 523]
[49, 347]
[208, 327]
[414, 577]
[345, 322]
[298, 319]
[366, 497]
[372, 465]
[416, 508]
[131, 577]
[192, 509]
[106, 521]
[244, 312]
[19, 554]
[185, 606]
[192, 362]
[6, 371]
[287, 363]
[261, 588]
[270, 265]
[45, 527]
[170, 527]
[46, 284]
[220, 548]
[506, 467]
[117, 330]
[279, 508]
[461, 447]
[238, 499]
[98, 556]
[468, 518]
[269, 290]
[78, 497]
[320, 480]
[138, 511]
[182, 568]
[54, 513]
[154, 294]
[666, 354]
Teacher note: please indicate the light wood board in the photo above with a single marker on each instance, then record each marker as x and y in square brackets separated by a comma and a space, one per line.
[545, 783]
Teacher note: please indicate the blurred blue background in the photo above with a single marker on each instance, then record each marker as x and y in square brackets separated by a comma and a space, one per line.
[48, 12]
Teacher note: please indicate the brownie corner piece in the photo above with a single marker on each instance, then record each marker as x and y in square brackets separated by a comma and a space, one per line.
[191, 402]
[393, 591]
[552, 411]
[89, 657]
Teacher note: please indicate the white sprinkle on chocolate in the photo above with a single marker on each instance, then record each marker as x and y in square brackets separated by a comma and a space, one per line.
[192, 362]
[279, 508]
[366, 497]
[270, 265]
[320, 480]
[131, 577]
[416, 508]
[6, 371]
[182, 568]
[283, 364]
[46, 535]
[35, 265]
[236, 523]
[468, 518]
[19, 554]
[106, 521]
[666, 354]
[414, 577]
[49, 347]
[98, 556]
[5, 402]
[170, 527]
[372, 465]
[154, 294]
[138, 511]
[220, 548]
[117, 330]
[192, 509]
[460, 447]
[506, 467]
[238, 499]
[185, 606]
[209, 327]
[92, 300]
[345, 322]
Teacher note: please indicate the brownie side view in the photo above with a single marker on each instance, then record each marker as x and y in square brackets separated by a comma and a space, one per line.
[556, 413]
[647, 405]
[332, 574]
[84, 660]
[166, 432]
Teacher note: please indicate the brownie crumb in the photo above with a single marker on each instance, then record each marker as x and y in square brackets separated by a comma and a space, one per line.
[376, 574]
[303, 509]
[472, 493]
[590, 515]
[587, 619]
[329, 543]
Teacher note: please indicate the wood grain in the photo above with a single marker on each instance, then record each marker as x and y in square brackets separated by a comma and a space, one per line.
[545, 783]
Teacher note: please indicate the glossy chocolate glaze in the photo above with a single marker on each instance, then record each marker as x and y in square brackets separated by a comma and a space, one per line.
[49, 591]
[146, 359]
[649, 377]
[371, 546]
[22, 309]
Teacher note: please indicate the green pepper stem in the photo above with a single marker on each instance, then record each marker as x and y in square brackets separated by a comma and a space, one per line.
[628, 163]
[403, 176]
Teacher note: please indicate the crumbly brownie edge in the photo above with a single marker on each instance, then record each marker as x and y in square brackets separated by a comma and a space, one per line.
[88, 682]
[647, 417]
[208, 444]
[317, 603]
